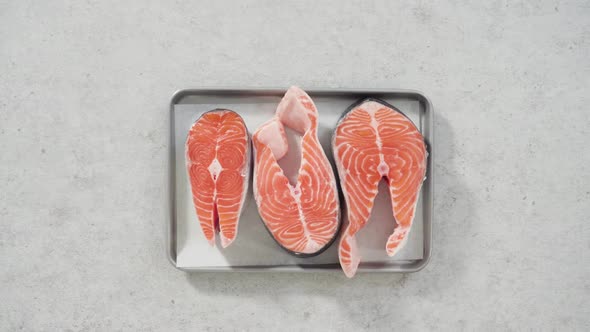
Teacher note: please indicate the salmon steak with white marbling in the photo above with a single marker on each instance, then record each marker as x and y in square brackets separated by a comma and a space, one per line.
[375, 141]
[218, 165]
[303, 217]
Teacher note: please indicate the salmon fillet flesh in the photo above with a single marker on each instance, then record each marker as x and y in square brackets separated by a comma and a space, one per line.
[218, 165]
[303, 217]
[371, 142]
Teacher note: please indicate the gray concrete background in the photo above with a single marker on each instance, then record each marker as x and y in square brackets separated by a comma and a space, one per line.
[84, 87]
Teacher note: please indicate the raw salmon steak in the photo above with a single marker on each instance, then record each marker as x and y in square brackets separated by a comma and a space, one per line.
[218, 165]
[373, 141]
[303, 217]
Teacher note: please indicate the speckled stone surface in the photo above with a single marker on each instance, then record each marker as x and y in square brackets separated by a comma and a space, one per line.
[84, 87]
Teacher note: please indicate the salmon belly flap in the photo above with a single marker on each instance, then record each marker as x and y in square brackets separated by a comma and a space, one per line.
[374, 141]
[303, 217]
[218, 161]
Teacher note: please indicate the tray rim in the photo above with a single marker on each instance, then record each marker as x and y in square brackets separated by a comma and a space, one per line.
[416, 266]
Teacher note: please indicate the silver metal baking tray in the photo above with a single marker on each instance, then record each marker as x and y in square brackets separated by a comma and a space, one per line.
[254, 249]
